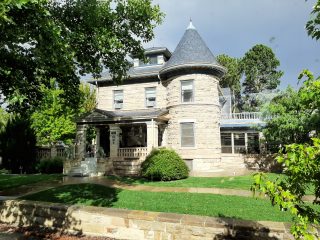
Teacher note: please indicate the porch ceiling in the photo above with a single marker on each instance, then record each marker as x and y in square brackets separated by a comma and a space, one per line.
[102, 116]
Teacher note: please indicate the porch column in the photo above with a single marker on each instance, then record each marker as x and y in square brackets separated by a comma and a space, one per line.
[97, 140]
[246, 141]
[152, 135]
[114, 139]
[81, 136]
[232, 142]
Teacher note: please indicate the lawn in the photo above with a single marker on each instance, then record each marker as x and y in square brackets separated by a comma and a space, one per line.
[186, 203]
[237, 182]
[13, 181]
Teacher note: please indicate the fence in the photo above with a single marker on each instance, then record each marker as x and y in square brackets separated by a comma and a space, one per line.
[54, 151]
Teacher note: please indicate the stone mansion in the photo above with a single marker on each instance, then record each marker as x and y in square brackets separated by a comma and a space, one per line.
[174, 100]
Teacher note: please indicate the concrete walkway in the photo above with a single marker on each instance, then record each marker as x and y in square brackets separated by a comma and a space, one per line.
[33, 188]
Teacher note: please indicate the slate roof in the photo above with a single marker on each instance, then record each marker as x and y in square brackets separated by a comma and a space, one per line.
[192, 52]
[102, 116]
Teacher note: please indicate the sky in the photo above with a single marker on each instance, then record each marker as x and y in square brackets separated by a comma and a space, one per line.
[232, 27]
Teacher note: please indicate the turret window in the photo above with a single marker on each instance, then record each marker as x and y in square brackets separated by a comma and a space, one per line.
[150, 97]
[187, 91]
[118, 99]
[187, 134]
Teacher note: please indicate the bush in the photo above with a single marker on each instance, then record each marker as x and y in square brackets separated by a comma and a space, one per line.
[50, 165]
[5, 171]
[164, 165]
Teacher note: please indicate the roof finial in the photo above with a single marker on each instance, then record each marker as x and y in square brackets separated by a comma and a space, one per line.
[191, 25]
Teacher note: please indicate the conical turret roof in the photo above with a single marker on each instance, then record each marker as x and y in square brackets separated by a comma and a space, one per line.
[191, 54]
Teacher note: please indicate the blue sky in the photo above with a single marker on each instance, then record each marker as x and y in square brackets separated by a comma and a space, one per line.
[233, 26]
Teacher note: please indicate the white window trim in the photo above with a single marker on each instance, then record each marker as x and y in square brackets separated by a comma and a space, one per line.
[194, 135]
[114, 92]
[193, 91]
[145, 97]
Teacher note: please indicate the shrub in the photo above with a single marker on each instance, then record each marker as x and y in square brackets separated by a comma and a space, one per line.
[4, 171]
[50, 165]
[164, 165]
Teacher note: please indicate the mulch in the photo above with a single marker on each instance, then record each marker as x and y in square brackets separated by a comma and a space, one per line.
[37, 233]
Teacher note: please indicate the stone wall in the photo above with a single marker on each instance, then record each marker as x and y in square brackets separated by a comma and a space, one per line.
[204, 111]
[131, 224]
[133, 96]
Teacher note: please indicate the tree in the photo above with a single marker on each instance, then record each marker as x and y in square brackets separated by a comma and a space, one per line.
[61, 40]
[300, 161]
[17, 143]
[260, 69]
[232, 78]
[54, 120]
[288, 120]
[313, 25]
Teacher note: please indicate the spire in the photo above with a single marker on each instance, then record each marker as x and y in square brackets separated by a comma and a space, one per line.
[191, 54]
[191, 25]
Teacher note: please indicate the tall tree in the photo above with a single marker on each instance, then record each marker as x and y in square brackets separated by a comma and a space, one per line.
[259, 66]
[61, 40]
[232, 78]
[54, 120]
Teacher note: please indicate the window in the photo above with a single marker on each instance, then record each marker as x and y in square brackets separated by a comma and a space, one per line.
[151, 60]
[226, 142]
[150, 97]
[187, 91]
[118, 99]
[187, 134]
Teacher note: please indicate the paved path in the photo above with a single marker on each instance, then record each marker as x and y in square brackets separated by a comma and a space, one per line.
[117, 184]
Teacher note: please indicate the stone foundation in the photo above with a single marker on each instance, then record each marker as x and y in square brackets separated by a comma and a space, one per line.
[131, 224]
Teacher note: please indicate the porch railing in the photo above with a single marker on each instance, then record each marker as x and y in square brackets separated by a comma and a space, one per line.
[135, 152]
[242, 115]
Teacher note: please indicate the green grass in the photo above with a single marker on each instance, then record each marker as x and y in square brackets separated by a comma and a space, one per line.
[13, 181]
[186, 203]
[237, 182]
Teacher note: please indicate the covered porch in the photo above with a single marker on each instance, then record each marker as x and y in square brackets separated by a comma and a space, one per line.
[123, 139]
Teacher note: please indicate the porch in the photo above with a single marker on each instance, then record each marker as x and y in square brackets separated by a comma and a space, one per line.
[121, 143]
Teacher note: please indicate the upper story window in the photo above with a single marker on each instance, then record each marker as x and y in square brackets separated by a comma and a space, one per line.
[151, 60]
[118, 99]
[187, 91]
[150, 96]
[187, 134]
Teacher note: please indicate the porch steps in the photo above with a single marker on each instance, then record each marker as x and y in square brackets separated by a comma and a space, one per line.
[88, 167]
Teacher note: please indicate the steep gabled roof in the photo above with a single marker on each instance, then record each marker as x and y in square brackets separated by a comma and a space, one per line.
[191, 52]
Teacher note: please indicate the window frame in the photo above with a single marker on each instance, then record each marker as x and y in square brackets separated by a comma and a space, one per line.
[114, 99]
[146, 99]
[193, 135]
[182, 91]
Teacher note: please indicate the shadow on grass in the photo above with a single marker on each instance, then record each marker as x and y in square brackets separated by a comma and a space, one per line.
[84, 194]
[242, 229]
[56, 214]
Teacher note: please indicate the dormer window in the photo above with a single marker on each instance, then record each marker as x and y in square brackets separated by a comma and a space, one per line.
[150, 97]
[187, 91]
[118, 99]
[151, 60]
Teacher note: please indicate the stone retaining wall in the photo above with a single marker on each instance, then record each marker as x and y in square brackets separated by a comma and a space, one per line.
[132, 224]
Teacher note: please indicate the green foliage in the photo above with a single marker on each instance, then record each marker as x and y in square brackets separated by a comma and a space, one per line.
[4, 171]
[17, 143]
[302, 170]
[313, 25]
[54, 120]
[43, 40]
[259, 66]
[234, 72]
[4, 117]
[50, 165]
[164, 165]
[294, 114]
